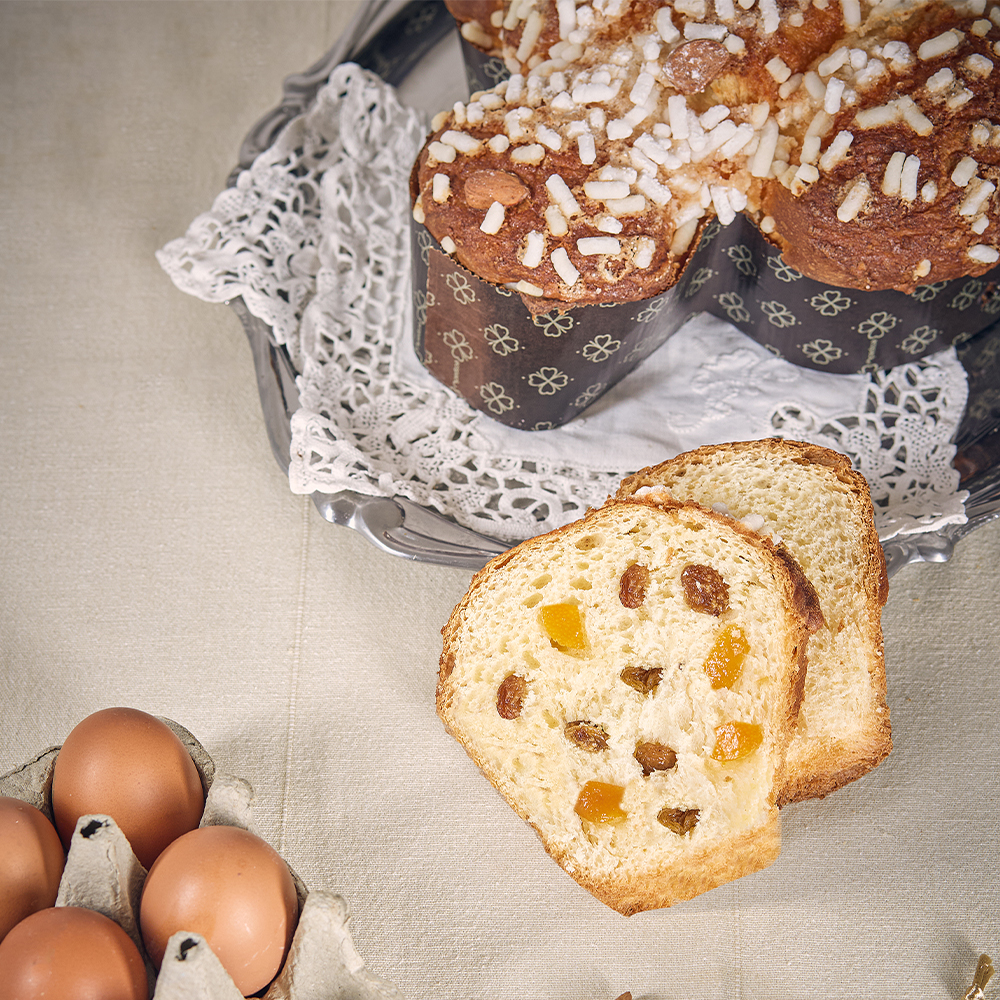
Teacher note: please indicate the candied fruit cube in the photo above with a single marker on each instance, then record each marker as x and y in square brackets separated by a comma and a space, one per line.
[600, 802]
[645, 680]
[563, 624]
[725, 659]
[736, 740]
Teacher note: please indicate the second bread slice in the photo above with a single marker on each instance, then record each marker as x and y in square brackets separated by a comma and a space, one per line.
[822, 509]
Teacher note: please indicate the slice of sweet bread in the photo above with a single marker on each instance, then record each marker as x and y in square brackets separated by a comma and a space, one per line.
[822, 510]
[629, 683]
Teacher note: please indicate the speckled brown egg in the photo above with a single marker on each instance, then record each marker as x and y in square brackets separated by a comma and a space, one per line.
[69, 952]
[31, 862]
[128, 765]
[232, 888]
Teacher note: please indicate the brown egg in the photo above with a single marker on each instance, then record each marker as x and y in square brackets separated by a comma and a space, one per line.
[31, 862]
[232, 888]
[67, 951]
[128, 765]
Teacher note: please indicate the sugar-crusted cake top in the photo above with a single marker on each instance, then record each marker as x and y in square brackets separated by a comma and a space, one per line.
[625, 126]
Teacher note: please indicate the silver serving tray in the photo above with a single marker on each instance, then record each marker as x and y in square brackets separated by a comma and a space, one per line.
[391, 38]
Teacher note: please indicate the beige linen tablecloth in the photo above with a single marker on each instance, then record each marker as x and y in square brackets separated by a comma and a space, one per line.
[152, 555]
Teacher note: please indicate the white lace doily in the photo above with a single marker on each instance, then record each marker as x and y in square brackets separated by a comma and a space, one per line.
[315, 238]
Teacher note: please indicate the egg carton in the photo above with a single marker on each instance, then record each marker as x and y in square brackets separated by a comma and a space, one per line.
[103, 874]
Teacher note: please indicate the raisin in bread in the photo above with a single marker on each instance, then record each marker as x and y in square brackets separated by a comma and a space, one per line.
[822, 510]
[629, 683]
[860, 135]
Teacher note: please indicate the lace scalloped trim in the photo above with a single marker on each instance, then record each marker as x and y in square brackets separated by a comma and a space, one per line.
[314, 238]
[900, 440]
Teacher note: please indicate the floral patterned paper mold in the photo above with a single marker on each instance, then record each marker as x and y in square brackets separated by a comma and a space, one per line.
[533, 372]
[536, 372]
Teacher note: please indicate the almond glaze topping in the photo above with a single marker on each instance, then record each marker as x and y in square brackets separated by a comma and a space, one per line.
[487, 186]
[664, 116]
[693, 65]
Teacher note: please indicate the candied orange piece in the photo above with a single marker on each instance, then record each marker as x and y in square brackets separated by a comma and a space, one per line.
[736, 740]
[725, 659]
[601, 802]
[563, 624]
